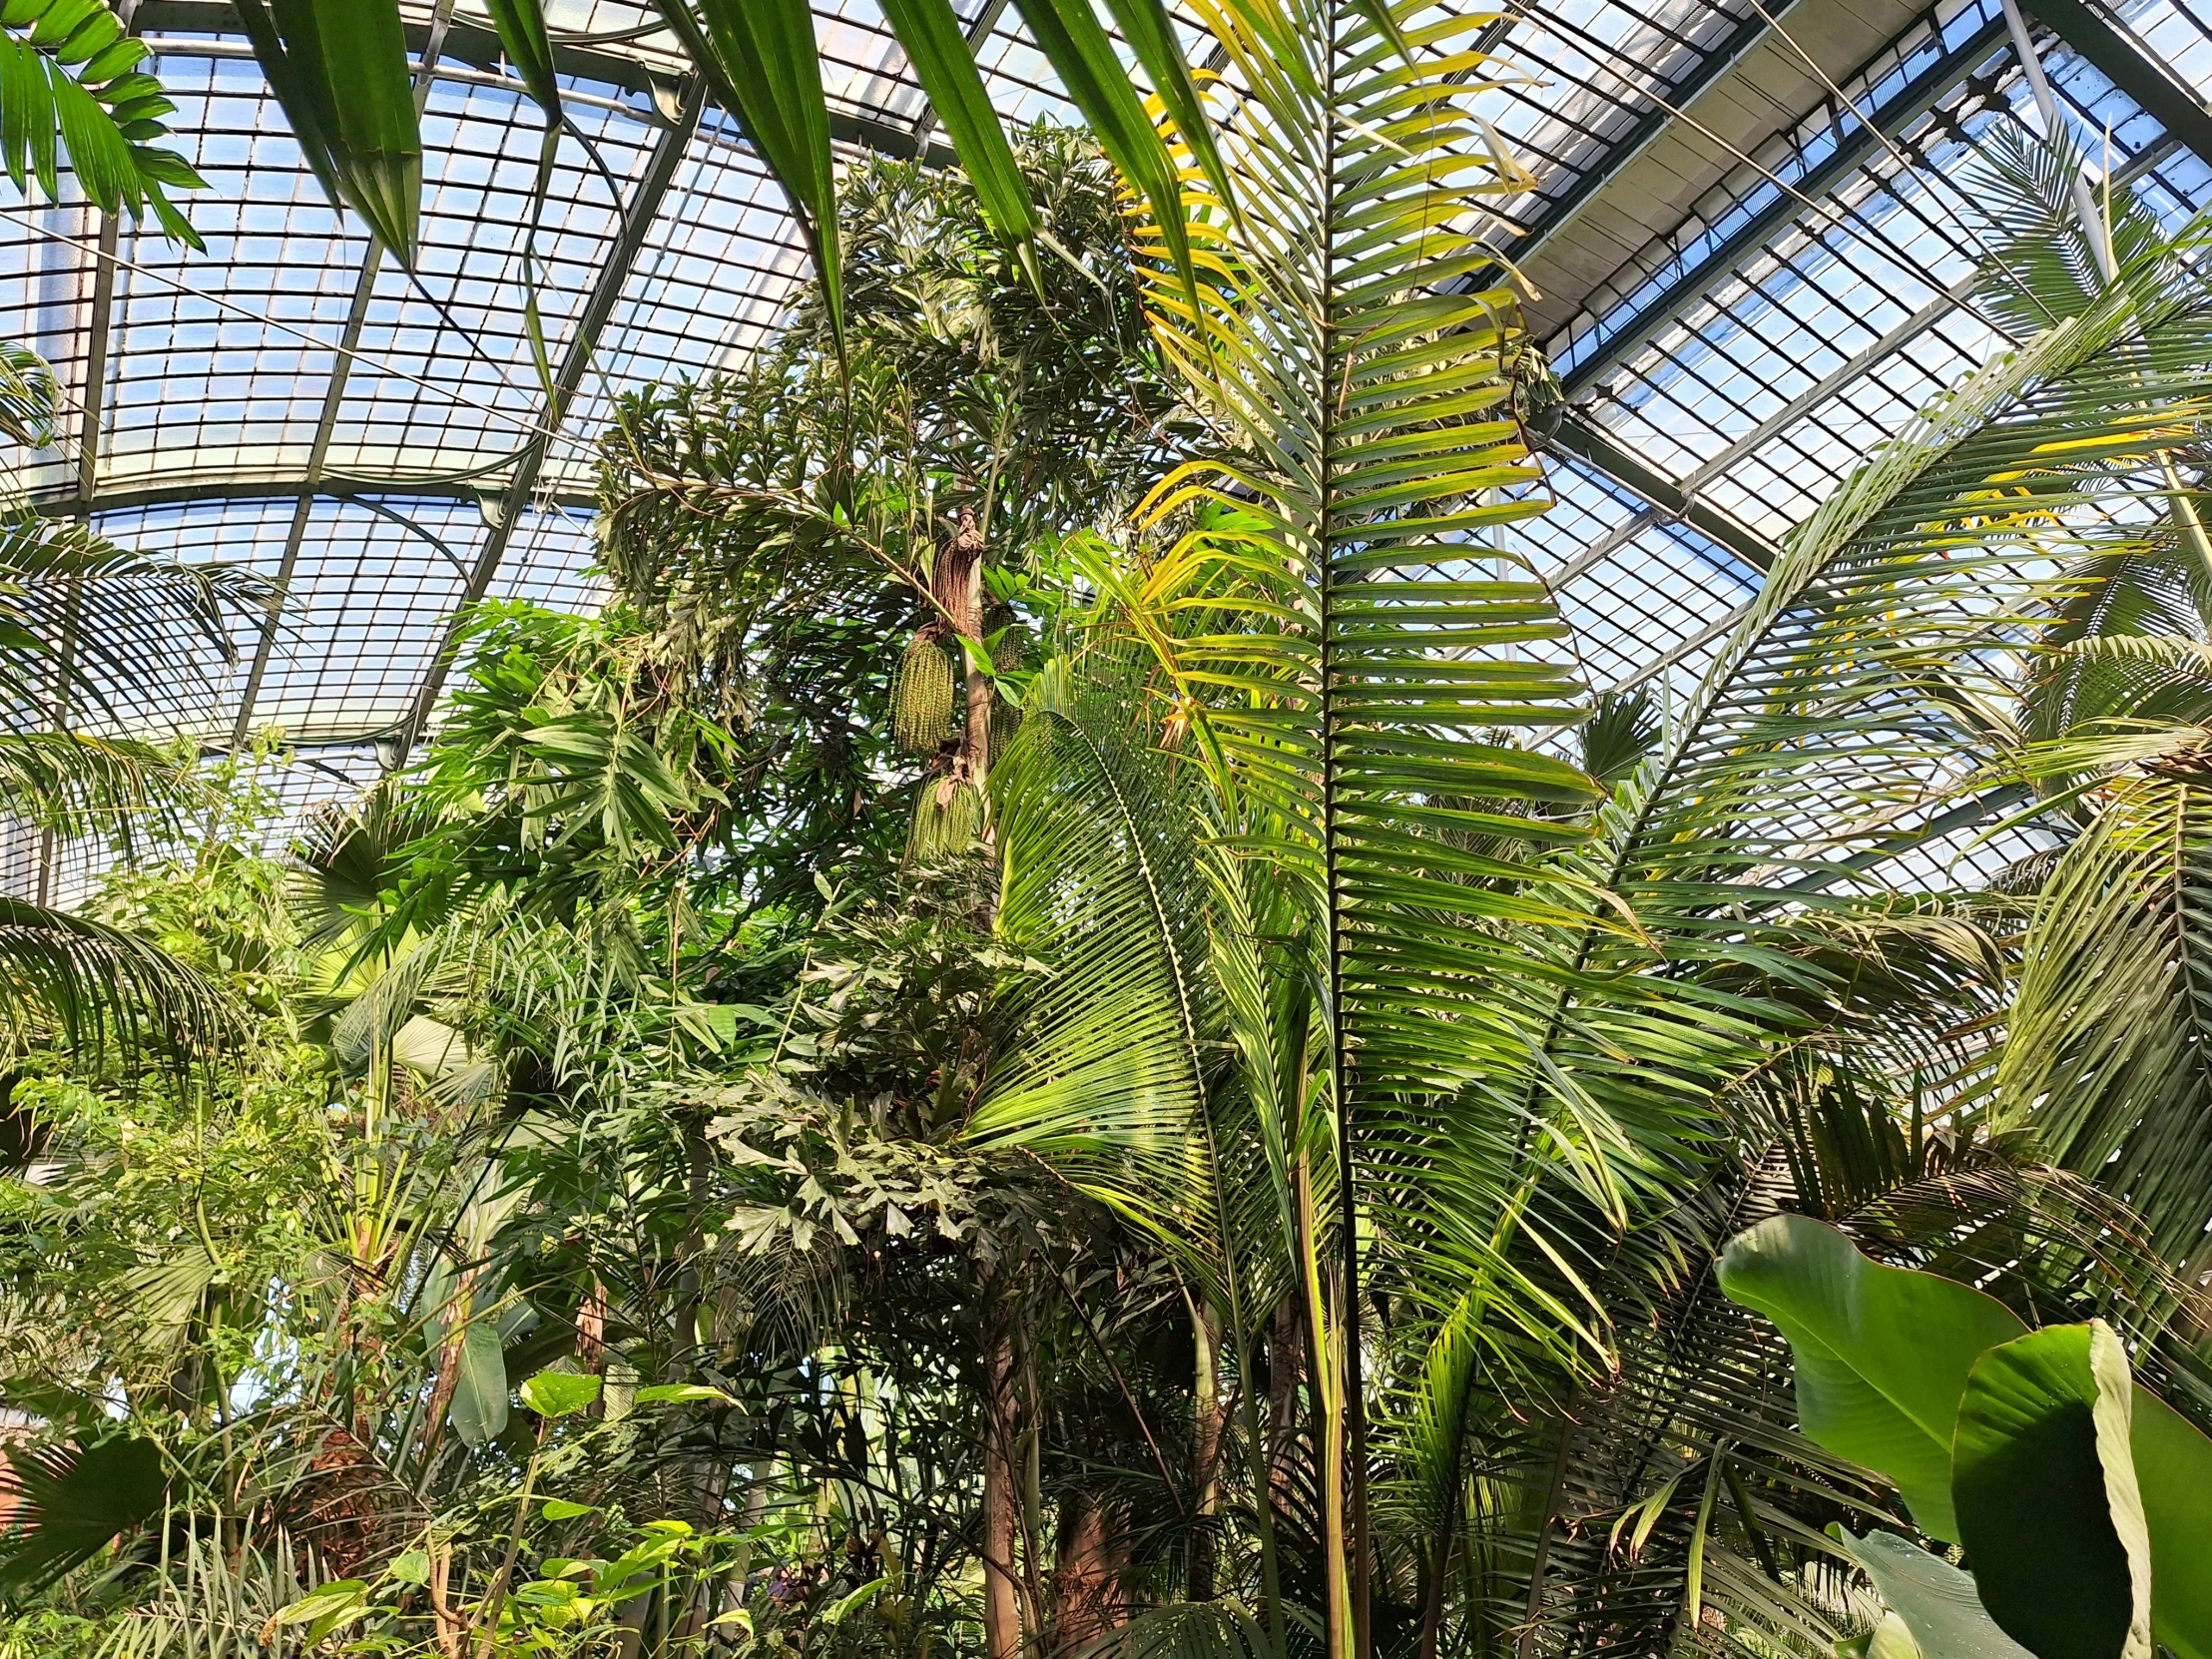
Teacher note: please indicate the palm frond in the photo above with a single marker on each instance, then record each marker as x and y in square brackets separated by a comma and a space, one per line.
[73, 90]
[1096, 880]
[64, 977]
[30, 397]
[94, 635]
[2105, 1060]
[339, 70]
[72, 1502]
[1842, 704]
[1187, 1631]
[79, 786]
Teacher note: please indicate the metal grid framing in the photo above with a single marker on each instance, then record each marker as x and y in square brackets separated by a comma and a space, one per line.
[1743, 357]
[1759, 372]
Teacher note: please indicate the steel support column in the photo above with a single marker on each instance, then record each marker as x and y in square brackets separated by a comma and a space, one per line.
[1577, 437]
[96, 364]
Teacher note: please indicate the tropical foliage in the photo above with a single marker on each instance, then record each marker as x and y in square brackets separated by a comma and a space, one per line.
[72, 87]
[1066, 1030]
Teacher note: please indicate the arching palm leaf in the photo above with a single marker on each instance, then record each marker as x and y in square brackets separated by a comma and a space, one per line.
[2106, 1057]
[72, 76]
[340, 70]
[94, 635]
[64, 977]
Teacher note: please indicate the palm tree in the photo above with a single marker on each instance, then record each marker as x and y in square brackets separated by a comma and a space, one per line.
[1538, 1030]
[98, 646]
[1368, 1004]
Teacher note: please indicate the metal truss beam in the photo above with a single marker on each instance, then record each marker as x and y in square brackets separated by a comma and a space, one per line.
[1852, 149]
[614, 275]
[1577, 437]
[281, 487]
[98, 336]
[2167, 101]
[287, 565]
[1650, 128]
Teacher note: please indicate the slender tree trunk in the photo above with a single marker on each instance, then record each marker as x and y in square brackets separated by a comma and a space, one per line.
[1436, 1572]
[447, 1626]
[1258, 1454]
[1090, 1597]
[693, 1319]
[1001, 1483]
[591, 1329]
[449, 1365]
[958, 586]
[1286, 1369]
[1206, 1431]
[1325, 1360]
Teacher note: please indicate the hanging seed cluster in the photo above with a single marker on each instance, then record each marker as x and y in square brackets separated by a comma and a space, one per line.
[921, 697]
[948, 816]
[1005, 721]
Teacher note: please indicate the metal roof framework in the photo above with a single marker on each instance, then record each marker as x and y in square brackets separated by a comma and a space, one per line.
[1748, 241]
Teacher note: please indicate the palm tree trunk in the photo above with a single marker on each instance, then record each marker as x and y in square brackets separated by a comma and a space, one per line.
[1206, 1431]
[1002, 1486]
[1088, 1593]
[1324, 1337]
[1436, 1574]
[957, 587]
[449, 1366]
[1285, 1368]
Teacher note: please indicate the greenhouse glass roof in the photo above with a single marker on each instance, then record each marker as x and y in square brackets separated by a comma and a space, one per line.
[1749, 255]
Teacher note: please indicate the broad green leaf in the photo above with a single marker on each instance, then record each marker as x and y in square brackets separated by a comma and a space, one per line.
[408, 1567]
[1849, 1322]
[2043, 1486]
[634, 1569]
[1934, 1600]
[559, 1393]
[1883, 1354]
[480, 1390]
[325, 1607]
[339, 69]
[679, 1392]
[561, 1509]
[522, 33]
[2173, 1473]
[846, 1606]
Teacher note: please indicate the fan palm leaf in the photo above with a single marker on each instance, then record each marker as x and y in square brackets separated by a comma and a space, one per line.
[71, 1501]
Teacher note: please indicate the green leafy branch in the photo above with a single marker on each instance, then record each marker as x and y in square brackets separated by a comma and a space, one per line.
[71, 86]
